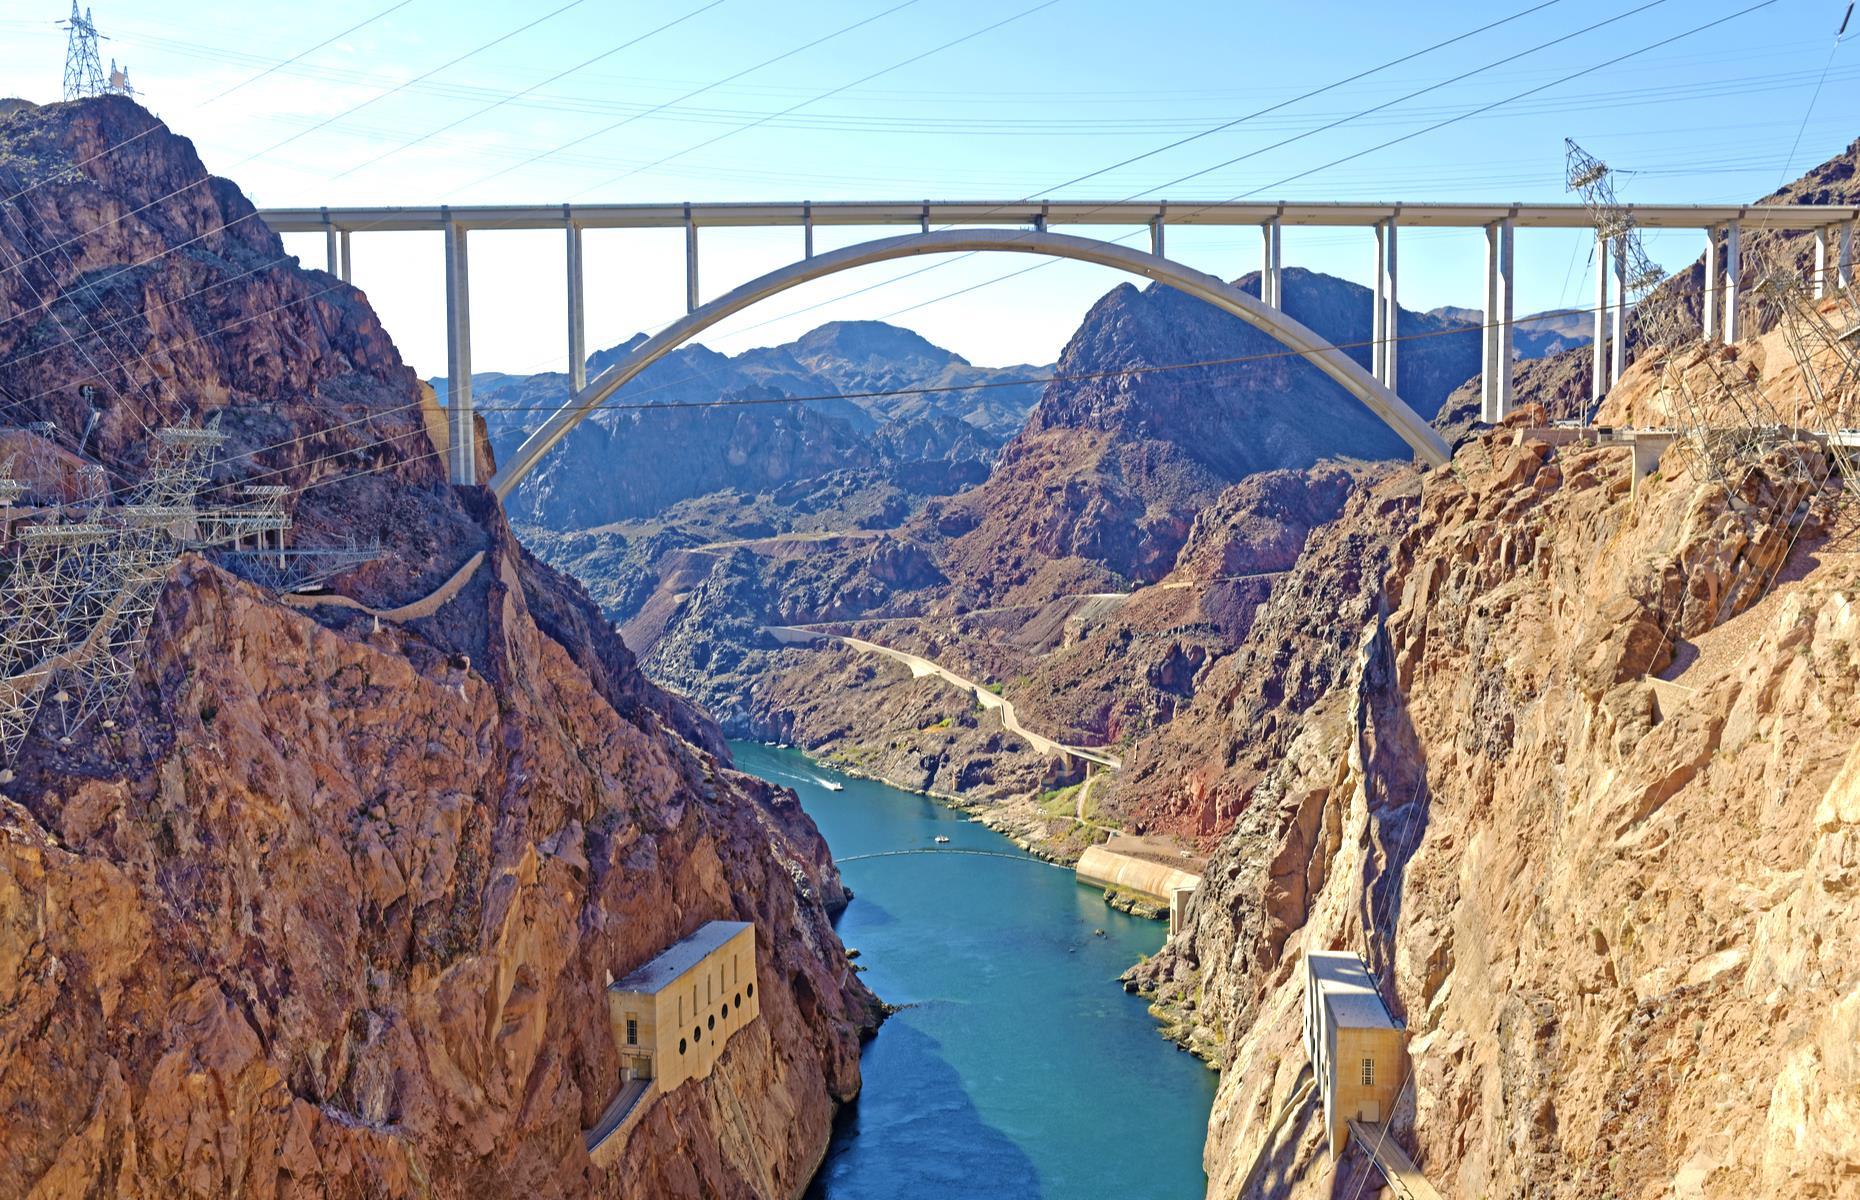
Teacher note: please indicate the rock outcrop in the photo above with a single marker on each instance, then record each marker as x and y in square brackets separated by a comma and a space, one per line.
[1572, 781]
[330, 909]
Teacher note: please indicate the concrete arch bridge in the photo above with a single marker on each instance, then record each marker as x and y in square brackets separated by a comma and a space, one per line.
[1023, 227]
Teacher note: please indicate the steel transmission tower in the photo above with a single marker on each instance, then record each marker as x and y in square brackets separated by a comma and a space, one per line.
[83, 65]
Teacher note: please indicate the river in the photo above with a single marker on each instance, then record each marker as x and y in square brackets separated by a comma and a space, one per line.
[1018, 1067]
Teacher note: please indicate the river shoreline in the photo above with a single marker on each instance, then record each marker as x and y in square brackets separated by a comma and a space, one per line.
[1012, 1057]
[1017, 818]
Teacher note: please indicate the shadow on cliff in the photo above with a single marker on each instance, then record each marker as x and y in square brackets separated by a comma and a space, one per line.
[923, 1141]
[1399, 801]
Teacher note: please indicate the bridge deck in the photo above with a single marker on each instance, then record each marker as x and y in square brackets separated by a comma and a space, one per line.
[1050, 212]
[1403, 1177]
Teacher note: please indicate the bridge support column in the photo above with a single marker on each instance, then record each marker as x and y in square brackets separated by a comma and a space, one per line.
[1818, 276]
[332, 250]
[1496, 321]
[577, 308]
[462, 430]
[1391, 310]
[1733, 326]
[342, 244]
[1271, 275]
[807, 229]
[1619, 358]
[1156, 235]
[1598, 366]
[1845, 273]
[1379, 308]
[691, 262]
[1711, 286]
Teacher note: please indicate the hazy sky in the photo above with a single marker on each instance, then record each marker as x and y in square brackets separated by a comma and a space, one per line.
[1014, 111]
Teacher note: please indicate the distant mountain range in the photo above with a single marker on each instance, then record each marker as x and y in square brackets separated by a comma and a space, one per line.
[1536, 336]
[665, 438]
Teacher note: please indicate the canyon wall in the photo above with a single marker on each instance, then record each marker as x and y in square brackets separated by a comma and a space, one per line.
[1578, 781]
[330, 909]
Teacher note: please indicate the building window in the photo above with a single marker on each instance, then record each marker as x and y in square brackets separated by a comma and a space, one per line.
[697, 1033]
[632, 1031]
[710, 1022]
[681, 1045]
[739, 1000]
[750, 990]
[1369, 1072]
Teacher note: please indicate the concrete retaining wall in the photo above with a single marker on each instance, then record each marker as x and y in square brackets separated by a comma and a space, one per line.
[1100, 867]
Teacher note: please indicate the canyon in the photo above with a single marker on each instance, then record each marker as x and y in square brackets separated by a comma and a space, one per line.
[1564, 749]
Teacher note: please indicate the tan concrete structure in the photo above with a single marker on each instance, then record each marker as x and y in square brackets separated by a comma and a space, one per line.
[1105, 866]
[1358, 1052]
[1178, 907]
[671, 1019]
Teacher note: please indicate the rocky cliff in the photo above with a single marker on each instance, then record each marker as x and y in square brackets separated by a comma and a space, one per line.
[331, 907]
[1133, 439]
[1575, 773]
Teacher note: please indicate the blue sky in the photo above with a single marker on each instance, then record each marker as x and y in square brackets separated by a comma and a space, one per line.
[1014, 111]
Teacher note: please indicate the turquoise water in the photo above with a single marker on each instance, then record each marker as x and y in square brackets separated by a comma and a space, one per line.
[1018, 1067]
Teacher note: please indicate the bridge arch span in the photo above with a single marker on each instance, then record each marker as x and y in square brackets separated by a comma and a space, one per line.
[1295, 336]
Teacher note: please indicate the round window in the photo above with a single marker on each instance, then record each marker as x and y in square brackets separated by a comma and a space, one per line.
[697, 1034]
[738, 1002]
[750, 991]
[681, 1045]
[710, 1022]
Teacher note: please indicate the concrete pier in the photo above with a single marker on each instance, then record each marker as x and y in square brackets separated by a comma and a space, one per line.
[577, 308]
[1496, 335]
[1271, 277]
[1711, 285]
[1733, 327]
[1391, 312]
[1598, 371]
[461, 428]
[1619, 358]
[691, 262]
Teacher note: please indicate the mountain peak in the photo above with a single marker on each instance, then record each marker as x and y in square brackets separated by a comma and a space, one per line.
[856, 340]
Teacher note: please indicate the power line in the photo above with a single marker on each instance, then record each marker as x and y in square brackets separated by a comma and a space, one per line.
[606, 129]
[1813, 97]
[1589, 70]
[82, 163]
[499, 103]
[1408, 136]
[831, 92]
[313, 128]
[1231, 124]
[402, 86]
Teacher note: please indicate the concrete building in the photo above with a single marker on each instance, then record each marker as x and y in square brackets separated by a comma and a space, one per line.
[1358, 1052]
[671, 1019]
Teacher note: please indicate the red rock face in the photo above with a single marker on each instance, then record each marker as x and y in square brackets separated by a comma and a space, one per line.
[1114, 463]
[332, 910]
[1603, 903]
